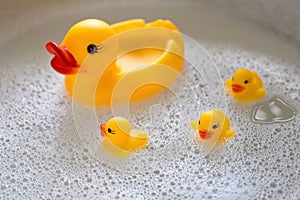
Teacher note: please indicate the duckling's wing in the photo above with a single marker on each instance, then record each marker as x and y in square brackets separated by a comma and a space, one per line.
[257, 79]
[137, 134]
[138, 140]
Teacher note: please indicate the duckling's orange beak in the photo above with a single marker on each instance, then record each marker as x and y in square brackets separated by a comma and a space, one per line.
[237, 88]
[204, 134]
[103, 131]
[63, 61]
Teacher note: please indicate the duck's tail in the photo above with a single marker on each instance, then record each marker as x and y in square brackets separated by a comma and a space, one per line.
[230, 134]
[194, 124]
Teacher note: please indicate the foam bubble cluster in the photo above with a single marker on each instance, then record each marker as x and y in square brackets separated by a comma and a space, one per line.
[42, 155]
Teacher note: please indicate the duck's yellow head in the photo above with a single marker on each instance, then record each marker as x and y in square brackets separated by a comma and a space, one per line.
[117, 129]
[242, 81]
[82, 39]
[211, 123]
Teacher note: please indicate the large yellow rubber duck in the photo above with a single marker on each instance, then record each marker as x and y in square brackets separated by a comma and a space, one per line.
[119, 133]
[213, 124]
[246, 85]
[87, 39]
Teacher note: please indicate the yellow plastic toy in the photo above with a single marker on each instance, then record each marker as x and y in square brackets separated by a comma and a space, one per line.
[90, 41]
[213, 124]
[246, 85]
[119, 133]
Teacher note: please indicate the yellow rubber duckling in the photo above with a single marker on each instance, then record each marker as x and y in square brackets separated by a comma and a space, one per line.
[246, 85]
[118, 131]
[88, 37]
[213, 124]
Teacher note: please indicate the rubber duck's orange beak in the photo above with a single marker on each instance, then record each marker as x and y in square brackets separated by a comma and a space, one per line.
[204, 134]
[237, 88]
[103, 131]
[63, 61]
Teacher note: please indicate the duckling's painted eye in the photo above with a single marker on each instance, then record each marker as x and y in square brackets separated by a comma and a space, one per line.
[199, 122]
[233, 78]
[215, 126]
[92, 49]
[110, 131]
[246, 81]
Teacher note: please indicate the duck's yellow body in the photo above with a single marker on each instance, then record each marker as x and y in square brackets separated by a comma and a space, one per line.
[119, 133]
[246, 85]
[88, 39]
[213, 124]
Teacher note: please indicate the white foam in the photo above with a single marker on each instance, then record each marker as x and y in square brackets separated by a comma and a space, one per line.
[43, 157]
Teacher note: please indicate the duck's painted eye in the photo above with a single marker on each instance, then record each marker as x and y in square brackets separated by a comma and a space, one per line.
[215, 126]
[199, 122]
[246, 81]
[92, 49]
[233, 78]
[110, 131]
